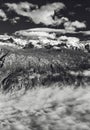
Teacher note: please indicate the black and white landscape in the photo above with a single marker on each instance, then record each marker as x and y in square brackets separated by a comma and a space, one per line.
[44, 65]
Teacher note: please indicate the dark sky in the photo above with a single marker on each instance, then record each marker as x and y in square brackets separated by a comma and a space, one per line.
[40, 2]
[75, 10]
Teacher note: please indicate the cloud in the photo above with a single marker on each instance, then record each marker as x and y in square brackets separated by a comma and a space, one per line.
[35, 34]
[71, 41]
[44, 14]
[15, 20]
[72, 26]
[59, 21]
[22, 8]
[78, 24]
[3, 16]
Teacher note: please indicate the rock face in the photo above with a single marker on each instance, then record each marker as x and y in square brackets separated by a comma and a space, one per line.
[32, 67]
[30, 58]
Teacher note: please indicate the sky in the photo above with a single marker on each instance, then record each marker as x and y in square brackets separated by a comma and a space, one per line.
[71, 15]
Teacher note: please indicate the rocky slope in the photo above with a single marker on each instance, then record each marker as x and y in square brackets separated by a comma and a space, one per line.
[31, 67]
[44, 84]
[30, 58]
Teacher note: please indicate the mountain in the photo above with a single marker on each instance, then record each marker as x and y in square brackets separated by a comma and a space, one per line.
[44, 65]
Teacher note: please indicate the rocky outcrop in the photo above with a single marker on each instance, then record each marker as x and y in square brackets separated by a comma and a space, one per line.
[29, 68]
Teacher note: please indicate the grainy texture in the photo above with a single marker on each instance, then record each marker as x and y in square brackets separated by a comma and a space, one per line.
[28, 68]
[35, 94]
[46, 109]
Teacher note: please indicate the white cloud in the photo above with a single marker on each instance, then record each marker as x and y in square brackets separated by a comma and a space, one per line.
[15, 20]
[68, 26]
[35, 34]
[78, 24]
[38, 15]
[22, 8]
[45, 13]
[59, 21]
[3, 15]
[72, 26]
